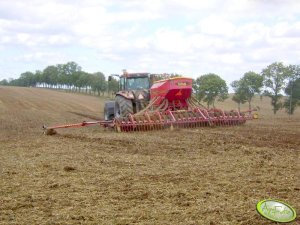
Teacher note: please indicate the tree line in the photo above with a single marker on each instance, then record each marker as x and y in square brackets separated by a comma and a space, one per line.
[69, 77]
[274, 81]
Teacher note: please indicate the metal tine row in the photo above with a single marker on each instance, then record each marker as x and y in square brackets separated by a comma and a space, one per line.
[194, 118]
[143, 126]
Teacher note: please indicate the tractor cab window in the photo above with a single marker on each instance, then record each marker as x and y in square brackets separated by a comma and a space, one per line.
[137, 83]
[122, 83]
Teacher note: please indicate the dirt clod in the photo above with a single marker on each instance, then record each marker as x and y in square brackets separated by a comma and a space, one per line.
[50, 132]
[69, 168]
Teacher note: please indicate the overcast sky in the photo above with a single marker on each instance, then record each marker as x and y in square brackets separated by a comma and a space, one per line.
[189, 37]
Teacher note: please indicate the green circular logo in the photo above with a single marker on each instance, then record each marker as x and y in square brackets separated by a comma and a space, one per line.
[276, 210]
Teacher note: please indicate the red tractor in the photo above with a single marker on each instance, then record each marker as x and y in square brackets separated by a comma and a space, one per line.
[132, 97]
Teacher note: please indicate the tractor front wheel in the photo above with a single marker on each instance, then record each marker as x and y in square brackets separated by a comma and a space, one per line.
[123, 107]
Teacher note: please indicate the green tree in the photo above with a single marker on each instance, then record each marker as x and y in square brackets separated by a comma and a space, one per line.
[38, 77]
[293, 89]
[4, 82]
[113, 85]
[274, 81]
[84, 81]
[27, 79]
[62, 77]
[251, 83]
[70, 74]
[239, 93]
[50, 76]
[293, 92]
[209, 88]
[99, 83]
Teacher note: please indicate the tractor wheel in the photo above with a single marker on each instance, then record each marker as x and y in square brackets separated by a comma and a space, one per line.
[107, 116]
[109, 110]
[123, 107]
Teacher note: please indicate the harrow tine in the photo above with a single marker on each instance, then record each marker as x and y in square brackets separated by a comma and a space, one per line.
[159, 126]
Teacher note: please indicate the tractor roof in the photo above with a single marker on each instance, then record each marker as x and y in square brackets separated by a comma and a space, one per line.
[135, 75]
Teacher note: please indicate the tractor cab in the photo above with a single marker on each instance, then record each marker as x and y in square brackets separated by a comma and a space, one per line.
[132, 97]
[134, 81]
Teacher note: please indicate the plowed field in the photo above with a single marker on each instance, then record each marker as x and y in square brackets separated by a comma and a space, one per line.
[90, 175]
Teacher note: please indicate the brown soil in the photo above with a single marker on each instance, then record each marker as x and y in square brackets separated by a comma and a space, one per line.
[96, 176]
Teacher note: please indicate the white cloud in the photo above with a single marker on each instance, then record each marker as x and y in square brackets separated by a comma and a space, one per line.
[216, 25]
[194, 37]
[38, 56]
[171, 41]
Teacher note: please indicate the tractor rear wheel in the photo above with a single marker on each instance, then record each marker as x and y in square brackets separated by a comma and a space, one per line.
[123, 107]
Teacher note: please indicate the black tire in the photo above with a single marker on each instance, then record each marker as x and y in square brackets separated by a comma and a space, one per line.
[109, 110]
[108, 116]
[123, 107]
